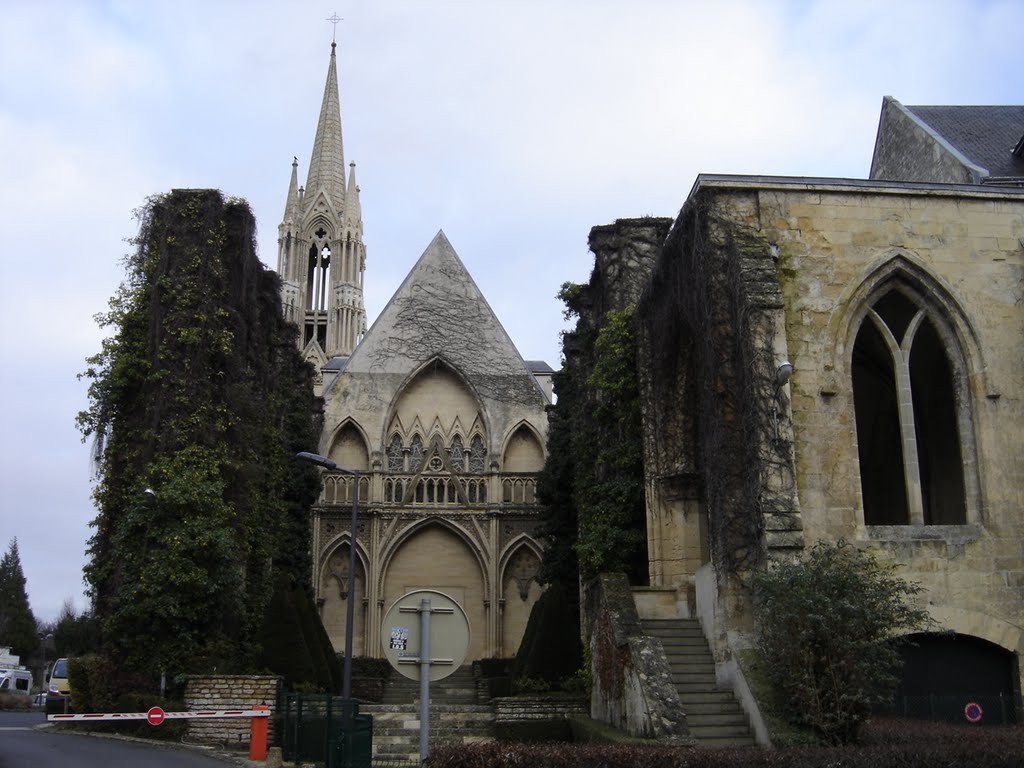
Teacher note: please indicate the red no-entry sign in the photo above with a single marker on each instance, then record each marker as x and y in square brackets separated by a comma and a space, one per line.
[155, 716]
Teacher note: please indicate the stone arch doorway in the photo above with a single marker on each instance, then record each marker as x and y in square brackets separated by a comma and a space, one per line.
[944, 672]
[435, 557]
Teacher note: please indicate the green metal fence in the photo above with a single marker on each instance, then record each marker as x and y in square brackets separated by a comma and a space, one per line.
[325, 729]
[980, 708]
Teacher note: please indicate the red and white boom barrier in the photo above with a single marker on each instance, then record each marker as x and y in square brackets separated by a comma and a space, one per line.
[156, 716]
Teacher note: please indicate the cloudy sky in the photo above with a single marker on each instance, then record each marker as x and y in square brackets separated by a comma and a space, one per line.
[513, 126]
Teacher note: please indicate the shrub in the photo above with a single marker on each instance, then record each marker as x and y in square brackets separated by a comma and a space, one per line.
[826, 627]
[93, 681]
[10, 701]
[366, 666]
[896, 744]
[530, 685]
[493, 667]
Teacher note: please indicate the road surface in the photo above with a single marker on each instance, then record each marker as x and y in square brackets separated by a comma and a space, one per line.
[24, 745]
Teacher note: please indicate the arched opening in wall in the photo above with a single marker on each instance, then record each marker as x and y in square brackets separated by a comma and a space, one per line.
[318, 275]
[943, 674]
[434, 557]
[908, 414]
[942, 480]
[878, 431]
[349, 449]
[519, 591]
[335, 592]
[523, 452]
[318, 282]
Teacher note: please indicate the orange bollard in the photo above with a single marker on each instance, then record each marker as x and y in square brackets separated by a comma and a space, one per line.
[258, 736]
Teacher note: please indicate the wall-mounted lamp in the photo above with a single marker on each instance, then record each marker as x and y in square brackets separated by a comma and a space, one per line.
[783, 374]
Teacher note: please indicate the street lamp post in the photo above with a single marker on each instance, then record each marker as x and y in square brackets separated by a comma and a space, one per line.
[326, 463]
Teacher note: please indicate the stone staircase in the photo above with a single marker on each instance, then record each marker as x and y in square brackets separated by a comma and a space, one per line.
[455, 716]
[714, 716]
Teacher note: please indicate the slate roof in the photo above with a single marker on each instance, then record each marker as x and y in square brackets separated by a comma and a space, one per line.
[985, 135]
[538, 366]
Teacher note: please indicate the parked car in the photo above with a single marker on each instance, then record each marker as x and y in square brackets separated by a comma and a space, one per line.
[58, 692]
[39, 700]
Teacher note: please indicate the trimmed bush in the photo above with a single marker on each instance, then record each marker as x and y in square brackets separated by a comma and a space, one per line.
[551, 648]
[896, 744]
[295, 643]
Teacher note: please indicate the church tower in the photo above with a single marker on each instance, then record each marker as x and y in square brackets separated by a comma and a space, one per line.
[321, 257]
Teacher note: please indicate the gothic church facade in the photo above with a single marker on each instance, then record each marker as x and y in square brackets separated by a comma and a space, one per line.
[433, 406]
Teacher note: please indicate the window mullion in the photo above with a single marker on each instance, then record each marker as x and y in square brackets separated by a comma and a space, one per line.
[908, 430]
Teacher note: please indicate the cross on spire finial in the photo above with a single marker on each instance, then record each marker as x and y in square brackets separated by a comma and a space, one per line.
[334, 18]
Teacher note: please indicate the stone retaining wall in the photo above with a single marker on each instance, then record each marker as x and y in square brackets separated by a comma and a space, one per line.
[523, 708]
[229, 692]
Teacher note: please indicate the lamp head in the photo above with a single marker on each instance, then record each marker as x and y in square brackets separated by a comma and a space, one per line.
[783, 374]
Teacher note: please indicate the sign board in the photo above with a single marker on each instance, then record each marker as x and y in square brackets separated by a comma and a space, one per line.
[155, 716]
[449, 634]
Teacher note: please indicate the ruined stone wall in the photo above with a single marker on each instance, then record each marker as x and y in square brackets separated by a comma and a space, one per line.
[632, 686]
[624, 255]
[718, 459]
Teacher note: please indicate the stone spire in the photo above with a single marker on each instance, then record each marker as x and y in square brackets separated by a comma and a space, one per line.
[353, 210]
[327, 163]
[292, 209]
[321, 256]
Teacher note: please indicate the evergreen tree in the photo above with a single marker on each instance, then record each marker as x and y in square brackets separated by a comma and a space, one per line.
[75, 634]
[17, 624]
[198, 402]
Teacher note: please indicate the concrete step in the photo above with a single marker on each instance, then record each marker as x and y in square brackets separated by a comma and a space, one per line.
[457, 688]
[396, 727]
[697, 719]
[692, 664]
[686, 677]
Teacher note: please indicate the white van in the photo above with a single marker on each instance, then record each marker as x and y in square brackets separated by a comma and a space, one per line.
[16, 681]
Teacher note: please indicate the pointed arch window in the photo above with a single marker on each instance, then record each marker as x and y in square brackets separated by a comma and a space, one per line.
[318, 275]
[415, 453]
[909, 401]
[396, 456]
[477, 455]
[456, 453]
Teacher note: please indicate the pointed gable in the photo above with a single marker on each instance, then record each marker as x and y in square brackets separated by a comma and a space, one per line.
[439, 312]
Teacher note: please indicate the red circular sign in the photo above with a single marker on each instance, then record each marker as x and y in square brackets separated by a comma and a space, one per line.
[973, 712]
[155, 716]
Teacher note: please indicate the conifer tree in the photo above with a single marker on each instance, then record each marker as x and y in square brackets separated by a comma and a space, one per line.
[17, 624]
